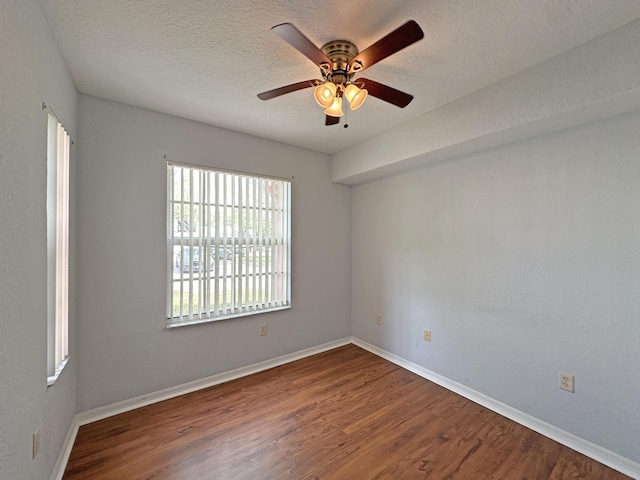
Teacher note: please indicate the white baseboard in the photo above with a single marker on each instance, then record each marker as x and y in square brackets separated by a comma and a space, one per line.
[596, 452]
[63, 457]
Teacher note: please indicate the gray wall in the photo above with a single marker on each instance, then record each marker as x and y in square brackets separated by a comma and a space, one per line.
[31, 72]
[123, 346]
[523, 261]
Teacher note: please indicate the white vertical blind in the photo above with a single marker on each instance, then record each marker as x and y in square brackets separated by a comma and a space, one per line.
[62, 256]
[229, 238]
[58, 237]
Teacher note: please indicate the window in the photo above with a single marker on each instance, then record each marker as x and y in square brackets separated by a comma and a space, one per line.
[228, 244]
[57, 248]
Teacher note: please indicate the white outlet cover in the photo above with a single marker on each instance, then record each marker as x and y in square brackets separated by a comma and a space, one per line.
[567, 382]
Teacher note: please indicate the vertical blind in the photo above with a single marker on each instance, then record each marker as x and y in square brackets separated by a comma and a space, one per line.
[229, 244]
[58, 235]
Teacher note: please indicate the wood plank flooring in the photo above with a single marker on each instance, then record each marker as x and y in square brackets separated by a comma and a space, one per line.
[342, 414]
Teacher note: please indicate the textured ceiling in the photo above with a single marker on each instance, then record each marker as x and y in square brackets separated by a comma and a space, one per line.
[206, 60]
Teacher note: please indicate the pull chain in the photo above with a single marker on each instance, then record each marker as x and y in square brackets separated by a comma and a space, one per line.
[346, 125]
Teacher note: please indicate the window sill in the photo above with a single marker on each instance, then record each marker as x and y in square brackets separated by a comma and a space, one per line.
[198, 321]
[53, 378]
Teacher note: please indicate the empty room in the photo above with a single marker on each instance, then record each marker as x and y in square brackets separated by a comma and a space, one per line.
[319, 240]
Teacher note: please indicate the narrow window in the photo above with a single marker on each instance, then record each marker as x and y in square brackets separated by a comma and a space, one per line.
[228, 244]
[57, 248]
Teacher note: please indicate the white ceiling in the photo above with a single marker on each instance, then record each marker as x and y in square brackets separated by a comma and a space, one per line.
[206, 60]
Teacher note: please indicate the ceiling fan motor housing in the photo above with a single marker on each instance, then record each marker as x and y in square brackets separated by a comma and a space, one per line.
[340, 52]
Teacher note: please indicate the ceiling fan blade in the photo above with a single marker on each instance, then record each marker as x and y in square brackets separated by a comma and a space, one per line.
[386, 93]
[276, 92]
[329, 120]
[297, 40]
[400, 38]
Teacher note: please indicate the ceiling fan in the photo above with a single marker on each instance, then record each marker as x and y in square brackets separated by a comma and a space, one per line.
[339, 62]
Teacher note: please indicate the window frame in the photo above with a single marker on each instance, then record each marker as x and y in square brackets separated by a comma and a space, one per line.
[262, 257]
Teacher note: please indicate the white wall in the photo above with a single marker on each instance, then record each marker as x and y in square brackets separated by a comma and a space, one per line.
[31, 72]
[523, 261]
[123, 346]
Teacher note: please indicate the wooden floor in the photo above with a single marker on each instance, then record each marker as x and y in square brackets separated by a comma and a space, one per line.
[343, 414]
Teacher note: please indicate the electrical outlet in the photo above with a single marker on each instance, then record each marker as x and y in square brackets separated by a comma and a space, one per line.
[427, 335]
[567, 382]
[379, 320]
[263, 329]
[36, 443]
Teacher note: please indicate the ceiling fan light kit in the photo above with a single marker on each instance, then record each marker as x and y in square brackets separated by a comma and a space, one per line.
[327, 95]
[339, 62]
